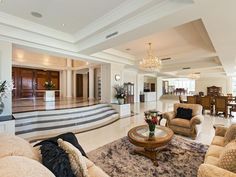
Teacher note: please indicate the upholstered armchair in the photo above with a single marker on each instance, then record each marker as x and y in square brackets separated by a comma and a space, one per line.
[185, 127]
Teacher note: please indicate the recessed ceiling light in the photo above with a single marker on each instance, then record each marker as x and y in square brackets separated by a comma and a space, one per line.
[36, 14]
[63, 24]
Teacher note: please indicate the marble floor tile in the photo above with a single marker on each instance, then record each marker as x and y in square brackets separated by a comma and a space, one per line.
[96, 138]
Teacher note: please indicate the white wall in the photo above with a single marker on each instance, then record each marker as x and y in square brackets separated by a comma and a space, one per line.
[6, 72]
[204, 82]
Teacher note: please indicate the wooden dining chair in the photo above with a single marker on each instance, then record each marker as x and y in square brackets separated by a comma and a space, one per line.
[191, 99]
[181, 100]
[206, 103]
[221, 105]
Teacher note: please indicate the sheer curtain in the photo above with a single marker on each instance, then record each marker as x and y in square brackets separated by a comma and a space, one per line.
[188, 84]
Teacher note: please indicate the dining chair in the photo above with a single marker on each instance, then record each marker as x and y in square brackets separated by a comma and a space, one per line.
[206, 103]
[221, 105]
[191, 99]
[181, 100]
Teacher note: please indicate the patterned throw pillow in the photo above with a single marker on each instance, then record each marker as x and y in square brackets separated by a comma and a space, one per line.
[227, 158]
[230, 134]
[77, 162]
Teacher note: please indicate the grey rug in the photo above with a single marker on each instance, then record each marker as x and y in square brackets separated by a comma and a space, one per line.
[181, 158]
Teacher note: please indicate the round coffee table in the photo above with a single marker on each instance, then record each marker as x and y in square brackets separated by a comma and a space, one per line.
[149, 146]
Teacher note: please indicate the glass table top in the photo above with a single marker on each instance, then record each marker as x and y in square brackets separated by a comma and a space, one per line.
[144, 131]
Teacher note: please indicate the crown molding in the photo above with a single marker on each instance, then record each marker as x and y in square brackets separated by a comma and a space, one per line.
[154, 13]
[112, 58]
[121, 11]
[118, 53]
[26, 25]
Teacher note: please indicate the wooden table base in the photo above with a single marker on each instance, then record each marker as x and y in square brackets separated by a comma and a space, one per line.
[149, 153]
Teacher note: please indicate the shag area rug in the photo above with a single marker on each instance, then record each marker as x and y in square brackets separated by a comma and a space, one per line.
[181, 158]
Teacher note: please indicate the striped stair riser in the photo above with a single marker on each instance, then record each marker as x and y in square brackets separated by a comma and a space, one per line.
[47, 123]
[59, 112]
[37, 135]
[61, 117]
[65, 122]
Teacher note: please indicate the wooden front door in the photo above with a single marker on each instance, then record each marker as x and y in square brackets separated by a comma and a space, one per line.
[79, 85]
[27, 83]
[41, 78]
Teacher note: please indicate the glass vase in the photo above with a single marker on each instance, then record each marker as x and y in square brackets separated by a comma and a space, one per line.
[152, 128]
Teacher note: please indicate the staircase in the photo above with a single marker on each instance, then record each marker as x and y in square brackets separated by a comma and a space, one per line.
[42, 124]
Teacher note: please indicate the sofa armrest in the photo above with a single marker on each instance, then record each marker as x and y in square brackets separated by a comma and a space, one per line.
[207, 170]
[220, 131]
[169, 115]
[198, 119]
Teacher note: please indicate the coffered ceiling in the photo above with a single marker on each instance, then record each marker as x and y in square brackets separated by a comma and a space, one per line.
[199, 34]
[67, 16]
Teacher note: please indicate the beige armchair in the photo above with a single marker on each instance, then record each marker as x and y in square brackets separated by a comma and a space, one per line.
[182, 126]
[210, 166]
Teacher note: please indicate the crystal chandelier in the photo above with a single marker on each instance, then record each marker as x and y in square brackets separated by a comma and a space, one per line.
[150, 63]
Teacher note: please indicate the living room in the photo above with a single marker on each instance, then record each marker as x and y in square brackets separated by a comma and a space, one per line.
[117, 88]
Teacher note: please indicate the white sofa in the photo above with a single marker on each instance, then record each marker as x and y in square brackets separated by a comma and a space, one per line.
[18, 158]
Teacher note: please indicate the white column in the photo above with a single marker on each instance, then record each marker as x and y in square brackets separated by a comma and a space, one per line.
[69, 78]
[106, 83]
[91, 83]
[74, 83]
[63, 83]
[140, 85]
[159, 89]
[6, 73]
[85, 86]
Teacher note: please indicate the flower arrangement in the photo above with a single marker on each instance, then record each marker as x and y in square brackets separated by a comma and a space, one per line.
[152, 121]
[151, 118]
[5, 88]
[49, 85]
[120, 91]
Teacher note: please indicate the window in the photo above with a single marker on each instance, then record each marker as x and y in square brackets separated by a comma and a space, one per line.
[187, 84]
[234, 85]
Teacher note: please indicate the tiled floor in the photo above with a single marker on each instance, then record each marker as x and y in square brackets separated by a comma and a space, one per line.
[96, 138]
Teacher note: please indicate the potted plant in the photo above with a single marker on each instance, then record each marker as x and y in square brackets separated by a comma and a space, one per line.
[120, 93]
[5, 89]
[49, 85]
[152, 121]
[49, 94]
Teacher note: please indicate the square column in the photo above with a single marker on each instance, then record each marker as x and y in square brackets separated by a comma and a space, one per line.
[69, 78]
[91, 83]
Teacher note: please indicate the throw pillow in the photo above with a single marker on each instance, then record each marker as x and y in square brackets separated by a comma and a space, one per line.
[19, 166]
[11, 145]
[230, 134]
[77, 161]
[69, 137]
[56, 160]
[227, 158]
[184, 113]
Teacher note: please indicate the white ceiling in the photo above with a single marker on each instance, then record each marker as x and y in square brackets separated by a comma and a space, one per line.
[75, 14]
[187, 45]
[196, 33]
